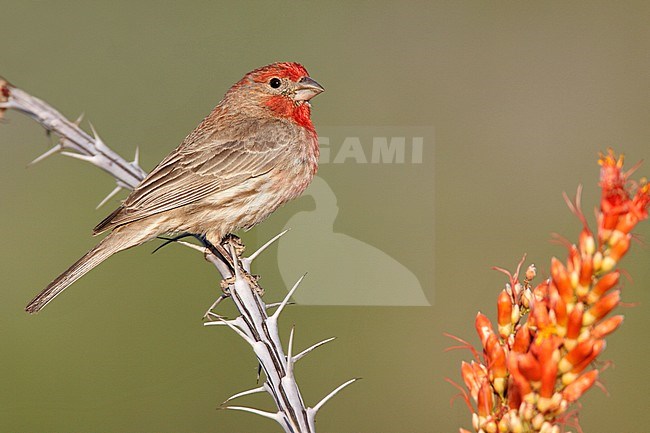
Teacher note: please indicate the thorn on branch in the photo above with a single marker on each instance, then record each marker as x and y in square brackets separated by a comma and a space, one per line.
[285, 301]
[310, 348]
[243, 393]
[56, 149]
[109, 196]
[79, 119]
[99, 143]
[265, 246]
[271, 415]
[86, 158]
[325, 399]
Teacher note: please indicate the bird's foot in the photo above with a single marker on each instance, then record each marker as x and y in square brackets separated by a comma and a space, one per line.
[236, 243]
[253, 282]
[225, 285]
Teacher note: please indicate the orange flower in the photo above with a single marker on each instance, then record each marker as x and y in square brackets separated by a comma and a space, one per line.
[602, 308]
[538, 363]
[606, 283]
[562, 280]
[575, 390]
[606, 327]
[574, 325]
[504, 316]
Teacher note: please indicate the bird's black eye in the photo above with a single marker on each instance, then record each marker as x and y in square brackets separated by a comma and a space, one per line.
[275, 83]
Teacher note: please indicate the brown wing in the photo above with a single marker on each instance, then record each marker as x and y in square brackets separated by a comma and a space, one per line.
[193, 172]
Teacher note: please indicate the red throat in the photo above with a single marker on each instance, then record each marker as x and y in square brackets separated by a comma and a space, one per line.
[285, 107]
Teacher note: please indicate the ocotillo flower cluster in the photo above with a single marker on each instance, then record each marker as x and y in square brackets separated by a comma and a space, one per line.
[539, 359]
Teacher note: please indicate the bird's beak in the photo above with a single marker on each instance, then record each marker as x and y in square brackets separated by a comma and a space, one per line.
[306, 88]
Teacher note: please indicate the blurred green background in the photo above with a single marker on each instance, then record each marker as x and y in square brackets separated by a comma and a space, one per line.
[521, 96]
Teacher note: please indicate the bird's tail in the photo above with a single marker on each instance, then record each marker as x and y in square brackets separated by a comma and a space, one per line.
[110, 245]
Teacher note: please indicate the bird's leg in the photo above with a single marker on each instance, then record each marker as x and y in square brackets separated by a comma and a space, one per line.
[235, 242]
[253, 282]
[222, 251]
[222, 254]
[218, 250]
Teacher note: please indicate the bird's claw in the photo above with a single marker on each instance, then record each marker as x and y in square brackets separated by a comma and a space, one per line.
[253, 282]
[236, 242]
[225, 285]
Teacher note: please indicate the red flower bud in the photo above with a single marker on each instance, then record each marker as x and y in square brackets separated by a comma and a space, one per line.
[608, 221]
[483, 327]
[561, 316]
[473, 375]
[549, 367]
[578, 354]
[574, 325]
[496, 356]
[605, 283]
[616, 251]
[522, 340]
[597, 349]
[574, 391]
[586, 273]
[562, 280]
[601, 308]
[627, 222]
[587, 242]
[606, 327]
[485, 401]
[540, 317]
[519, 381]
[529, 367]
[504, 314]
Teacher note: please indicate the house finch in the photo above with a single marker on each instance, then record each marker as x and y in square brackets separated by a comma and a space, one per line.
[254, 152]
